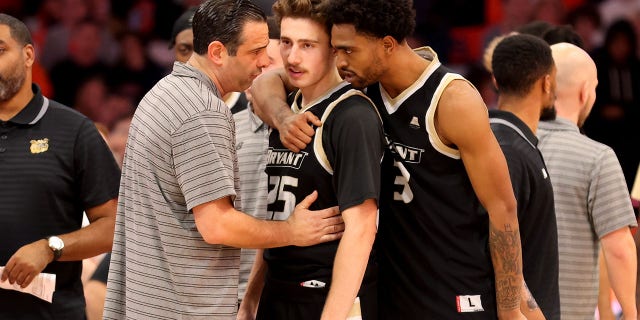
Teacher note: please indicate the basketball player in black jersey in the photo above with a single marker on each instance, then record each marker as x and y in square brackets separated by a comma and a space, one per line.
[448, 239]
[336, 279]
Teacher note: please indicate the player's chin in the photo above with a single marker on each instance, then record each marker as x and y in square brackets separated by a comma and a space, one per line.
[356, 82]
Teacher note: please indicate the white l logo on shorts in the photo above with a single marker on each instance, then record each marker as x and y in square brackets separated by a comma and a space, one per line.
[469, 303]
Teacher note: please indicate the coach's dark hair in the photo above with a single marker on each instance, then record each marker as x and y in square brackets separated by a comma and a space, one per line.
[378, 18]
[17, 29]
[307, 9]
[519, 61]
[223, 20]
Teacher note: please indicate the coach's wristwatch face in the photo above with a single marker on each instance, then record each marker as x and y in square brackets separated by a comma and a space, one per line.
[56, 245]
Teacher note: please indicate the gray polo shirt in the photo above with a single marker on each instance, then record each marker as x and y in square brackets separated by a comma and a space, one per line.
[591, 200]
[181, 153]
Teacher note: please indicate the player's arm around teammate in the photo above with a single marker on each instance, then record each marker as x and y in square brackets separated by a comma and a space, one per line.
[269, 95]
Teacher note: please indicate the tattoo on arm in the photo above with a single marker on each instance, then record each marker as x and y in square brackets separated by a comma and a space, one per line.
[506, 256]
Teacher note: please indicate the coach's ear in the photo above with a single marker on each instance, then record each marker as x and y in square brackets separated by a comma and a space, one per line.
[584, 94]
[546, 83]
[216, 52]
[29, 55]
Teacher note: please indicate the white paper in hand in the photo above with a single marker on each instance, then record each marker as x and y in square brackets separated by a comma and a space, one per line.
[42, 286]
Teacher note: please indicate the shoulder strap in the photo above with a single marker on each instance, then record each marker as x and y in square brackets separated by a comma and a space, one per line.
[317, 141]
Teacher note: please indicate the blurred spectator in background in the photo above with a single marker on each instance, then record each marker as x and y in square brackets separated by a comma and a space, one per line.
[41, 77]
[141, 17]
[551, 11]
[48, 14]
[563, 33]
[134, 73]
[90, 96]
[82, 63]
[118, 138]
[613, 10]
[94, 100]
[535, 28]
[69, 15]
[181, 40]
[615, 113]
[585, 20]
[515, 14]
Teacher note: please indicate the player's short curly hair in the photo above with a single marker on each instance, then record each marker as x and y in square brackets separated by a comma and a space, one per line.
[378, 18]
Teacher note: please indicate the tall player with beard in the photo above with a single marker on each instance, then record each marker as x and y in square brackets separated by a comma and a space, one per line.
[342, 163]
[448, 239]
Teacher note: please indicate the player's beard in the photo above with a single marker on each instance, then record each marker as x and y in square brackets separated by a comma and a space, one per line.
[11, 84]
[548, 113]
[369, 76]
[374, 72]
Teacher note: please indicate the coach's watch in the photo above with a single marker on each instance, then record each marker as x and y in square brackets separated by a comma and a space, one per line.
[56, 245]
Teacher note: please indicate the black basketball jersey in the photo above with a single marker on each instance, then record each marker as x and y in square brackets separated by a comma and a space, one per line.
[342, 164]
[432, 241]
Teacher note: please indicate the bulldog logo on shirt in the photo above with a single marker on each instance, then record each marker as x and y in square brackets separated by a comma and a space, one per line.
[39, 146]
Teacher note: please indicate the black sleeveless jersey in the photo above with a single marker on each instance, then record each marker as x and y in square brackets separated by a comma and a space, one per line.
[432, 241]
[342, 164]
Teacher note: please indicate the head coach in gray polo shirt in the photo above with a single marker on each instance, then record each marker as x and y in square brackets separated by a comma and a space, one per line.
[177, 229]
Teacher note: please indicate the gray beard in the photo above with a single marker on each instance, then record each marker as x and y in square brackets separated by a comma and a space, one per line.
[10, 86]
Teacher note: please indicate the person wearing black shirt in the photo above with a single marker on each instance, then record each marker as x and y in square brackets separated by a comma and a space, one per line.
[53, 166]
[525, 76]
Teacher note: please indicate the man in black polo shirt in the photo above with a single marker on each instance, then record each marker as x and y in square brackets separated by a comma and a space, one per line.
[525, 73]
[53, 166]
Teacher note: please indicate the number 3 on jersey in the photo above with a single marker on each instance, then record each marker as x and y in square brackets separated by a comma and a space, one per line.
[402, 181]
[281, 199]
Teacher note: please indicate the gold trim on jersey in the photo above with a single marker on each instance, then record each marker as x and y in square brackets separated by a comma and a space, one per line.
[317, 139]
[300, 109]
[434, 138]
[392, 104]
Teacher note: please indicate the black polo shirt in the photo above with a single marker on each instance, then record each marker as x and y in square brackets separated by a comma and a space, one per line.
[53, 165]
[536, 212]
